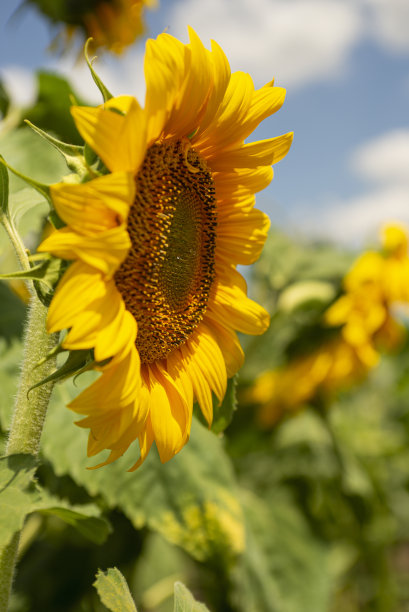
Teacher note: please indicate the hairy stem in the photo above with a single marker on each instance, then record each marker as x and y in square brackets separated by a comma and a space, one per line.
[28, 417]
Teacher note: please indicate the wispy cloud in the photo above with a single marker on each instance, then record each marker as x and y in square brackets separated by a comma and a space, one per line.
[295, 40]
[383, 163]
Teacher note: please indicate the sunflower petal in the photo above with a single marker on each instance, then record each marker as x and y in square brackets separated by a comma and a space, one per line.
[119, 140]
[168, 411]
[105, 251]
[93, 207]
[241, 235]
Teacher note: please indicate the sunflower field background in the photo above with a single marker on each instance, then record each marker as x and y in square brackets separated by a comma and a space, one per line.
[296, 499]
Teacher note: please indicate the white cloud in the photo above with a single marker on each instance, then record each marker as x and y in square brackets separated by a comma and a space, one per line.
[388, 23]
[295, 40]
[358, 219]
[384, 159]
[384, 162]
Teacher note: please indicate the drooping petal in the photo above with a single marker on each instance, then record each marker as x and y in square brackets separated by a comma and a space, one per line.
[206, 367]
[170, 415]
[117, 387]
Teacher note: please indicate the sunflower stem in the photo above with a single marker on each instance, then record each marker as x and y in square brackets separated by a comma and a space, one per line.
[28, 417]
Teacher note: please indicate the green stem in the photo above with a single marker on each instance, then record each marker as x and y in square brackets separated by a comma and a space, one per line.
[28, 418]
[16, 242]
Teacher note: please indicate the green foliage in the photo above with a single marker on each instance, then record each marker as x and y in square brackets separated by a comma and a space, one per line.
[113, 591]
[223, 413]
[20, 495]
[191, 500]
[51, 111]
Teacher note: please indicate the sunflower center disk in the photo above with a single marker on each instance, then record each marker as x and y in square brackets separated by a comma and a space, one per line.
[166, 278]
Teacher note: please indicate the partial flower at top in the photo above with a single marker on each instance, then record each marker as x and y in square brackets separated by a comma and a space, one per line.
[113, 24]
[155, 242]
[366, 325]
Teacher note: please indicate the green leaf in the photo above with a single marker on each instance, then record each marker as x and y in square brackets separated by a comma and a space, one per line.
[284, 568]
[17, 493]
[191, 500]
[223, 413]
[31, 156]
[75, 362]
[37, 272]
[185, 602]
[20, 495]
[85, 519]
[12, 314]
[73, 154]
[113, 591]
[4, 189]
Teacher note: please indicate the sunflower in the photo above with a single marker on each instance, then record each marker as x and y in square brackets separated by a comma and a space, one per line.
[112, 24]
[153, 286]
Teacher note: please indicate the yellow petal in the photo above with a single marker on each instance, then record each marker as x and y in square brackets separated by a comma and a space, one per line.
[242, 181]
[164, 71]
[252, 155]
[146, 439]
[80, 287]
[169, 413]
[192, 98]
[229, 345]
[119, 140]
[116, 388]
[241, 235]
[105, 251]
[206, 367]
[230, 307]
[92, 207]
[222, 131]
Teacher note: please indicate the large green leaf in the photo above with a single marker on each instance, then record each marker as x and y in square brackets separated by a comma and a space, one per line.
[191, 500]
[284, 568]
[20, 495]
[31, 155]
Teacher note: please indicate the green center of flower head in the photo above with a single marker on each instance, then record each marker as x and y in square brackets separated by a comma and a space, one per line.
[166, 278]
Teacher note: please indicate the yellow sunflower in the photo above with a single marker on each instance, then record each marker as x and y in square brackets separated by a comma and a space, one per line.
[113, 24]
[153, 286]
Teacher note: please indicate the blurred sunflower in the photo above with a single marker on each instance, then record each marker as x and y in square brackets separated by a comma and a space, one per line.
[113, 24]
[155, 243]
[365, 322]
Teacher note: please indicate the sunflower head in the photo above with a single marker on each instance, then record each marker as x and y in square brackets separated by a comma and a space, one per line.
[112, 24]
[154, 236]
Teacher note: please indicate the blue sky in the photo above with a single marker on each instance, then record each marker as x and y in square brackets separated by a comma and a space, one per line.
[345, 65]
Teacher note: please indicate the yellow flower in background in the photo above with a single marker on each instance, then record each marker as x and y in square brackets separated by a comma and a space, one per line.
[113, 24]
[367, 325]
[156, 241]
[332, 367]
